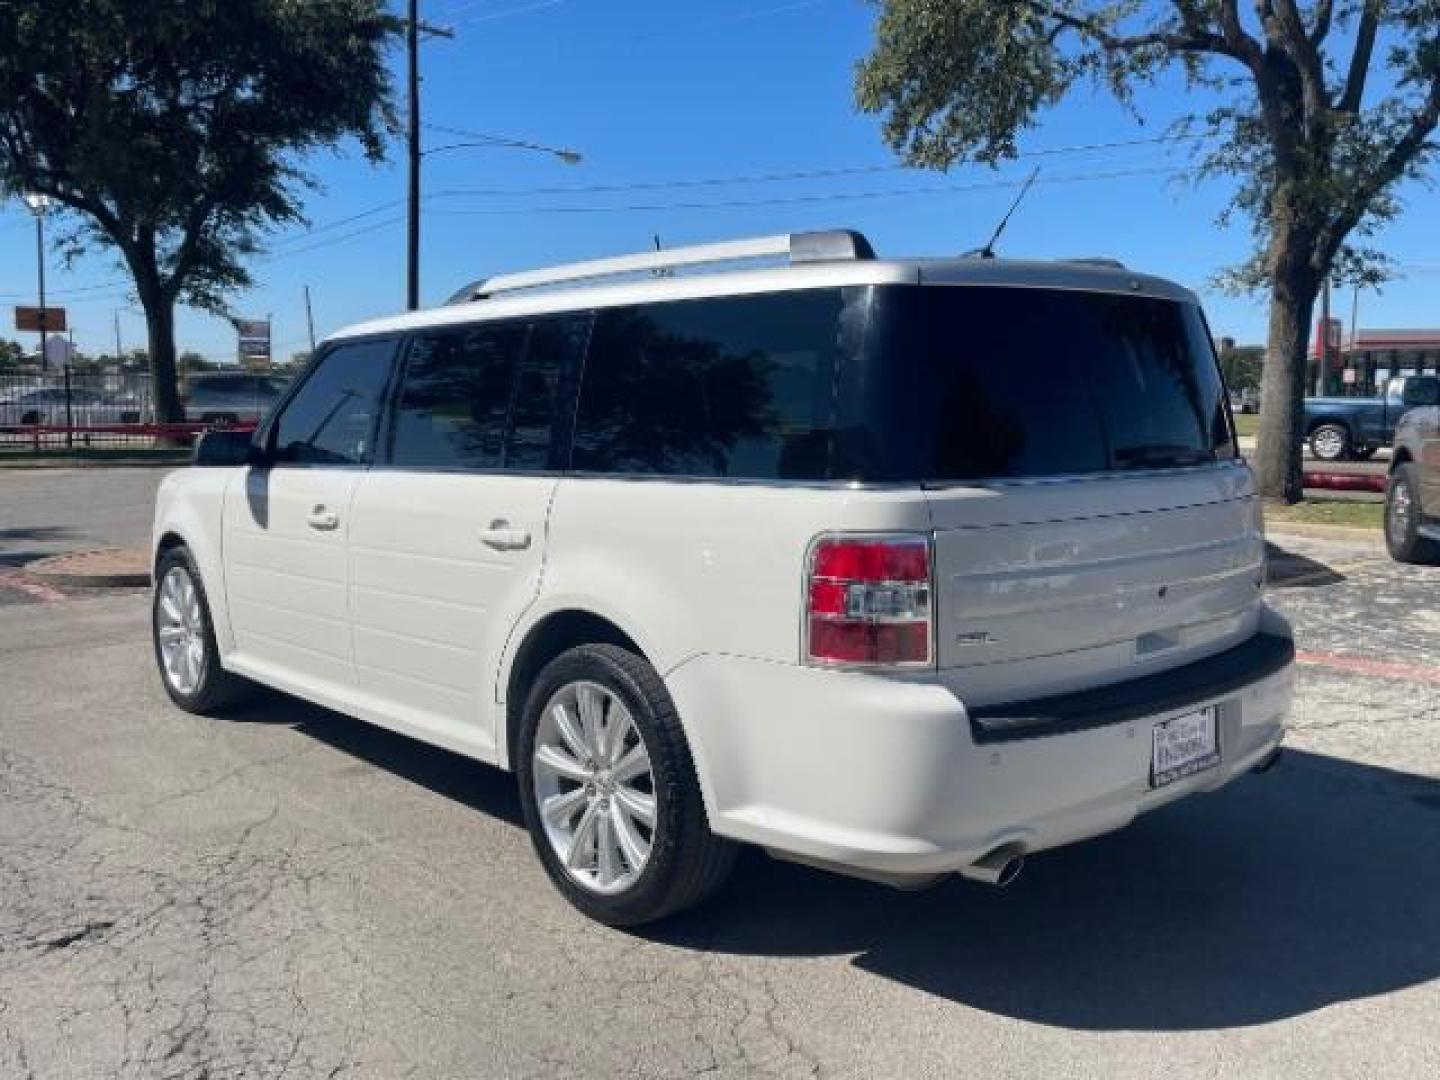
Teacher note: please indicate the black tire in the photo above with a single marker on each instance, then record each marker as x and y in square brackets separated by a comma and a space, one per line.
[217, 689]
[1402, 519]
[1331, 442]
[687, 862]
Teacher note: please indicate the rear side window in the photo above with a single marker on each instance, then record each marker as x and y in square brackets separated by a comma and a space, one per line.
[737, 387]
[332, 417]
[970, 382]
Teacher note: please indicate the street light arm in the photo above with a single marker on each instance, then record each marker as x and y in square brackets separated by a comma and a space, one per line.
[569, 157]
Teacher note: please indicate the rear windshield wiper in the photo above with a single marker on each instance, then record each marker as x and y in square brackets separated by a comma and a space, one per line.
[1161, 457]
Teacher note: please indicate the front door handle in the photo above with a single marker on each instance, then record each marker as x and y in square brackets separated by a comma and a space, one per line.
[502, 536]
[323, 519]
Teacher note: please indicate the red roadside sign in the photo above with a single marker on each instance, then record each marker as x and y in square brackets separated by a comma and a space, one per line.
[30, 318]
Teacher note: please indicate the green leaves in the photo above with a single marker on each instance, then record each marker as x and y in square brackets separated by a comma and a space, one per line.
[174, 128]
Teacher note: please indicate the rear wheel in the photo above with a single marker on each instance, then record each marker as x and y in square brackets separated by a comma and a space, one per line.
[609, 790]
[1330, 442]
[1402, 519]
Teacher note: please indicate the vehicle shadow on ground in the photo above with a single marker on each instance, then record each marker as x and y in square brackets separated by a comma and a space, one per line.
[1284, 893]
[1287, 570]
[22, 540]
[1314, 884]
[453, 776]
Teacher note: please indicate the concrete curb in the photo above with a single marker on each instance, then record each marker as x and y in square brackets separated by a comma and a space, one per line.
[1302, 530]
[45, 464]
[106, 568]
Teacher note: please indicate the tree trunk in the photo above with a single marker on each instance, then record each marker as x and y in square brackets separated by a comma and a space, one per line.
[160, 329]
[1292, 302]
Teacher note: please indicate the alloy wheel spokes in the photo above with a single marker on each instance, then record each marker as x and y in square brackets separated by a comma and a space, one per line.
[595, 787]
[179, 630]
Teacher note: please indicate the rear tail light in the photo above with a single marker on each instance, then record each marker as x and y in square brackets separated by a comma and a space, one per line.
[867, 601]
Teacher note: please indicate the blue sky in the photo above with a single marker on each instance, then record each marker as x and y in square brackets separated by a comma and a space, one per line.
[668, 102]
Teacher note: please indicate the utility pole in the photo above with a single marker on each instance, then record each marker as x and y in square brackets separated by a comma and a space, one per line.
[118, 353]
[413, 29]
[40, 265]
[309, 318]
[1322, 361]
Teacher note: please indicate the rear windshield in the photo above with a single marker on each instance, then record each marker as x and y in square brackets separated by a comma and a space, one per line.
[979, 382]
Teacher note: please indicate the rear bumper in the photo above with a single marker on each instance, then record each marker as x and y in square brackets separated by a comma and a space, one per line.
[896, 777]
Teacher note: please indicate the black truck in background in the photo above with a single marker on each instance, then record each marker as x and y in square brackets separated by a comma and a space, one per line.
[1343, 429]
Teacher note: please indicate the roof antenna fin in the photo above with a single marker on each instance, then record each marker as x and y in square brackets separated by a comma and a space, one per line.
[988, 251]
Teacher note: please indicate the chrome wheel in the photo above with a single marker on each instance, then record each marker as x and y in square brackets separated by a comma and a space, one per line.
[1328, 443]
[180, 631]
[594, 787]
[1402, 506]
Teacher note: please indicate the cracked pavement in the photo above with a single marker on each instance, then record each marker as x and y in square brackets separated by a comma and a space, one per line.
[289, 893]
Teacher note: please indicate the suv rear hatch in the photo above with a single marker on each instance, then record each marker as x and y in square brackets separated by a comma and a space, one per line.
[1092, 521]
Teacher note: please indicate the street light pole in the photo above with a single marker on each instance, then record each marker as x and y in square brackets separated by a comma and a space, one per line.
[412, 222]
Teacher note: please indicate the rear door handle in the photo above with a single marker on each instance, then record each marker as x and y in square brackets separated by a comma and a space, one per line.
[502, 536]
[323, 519]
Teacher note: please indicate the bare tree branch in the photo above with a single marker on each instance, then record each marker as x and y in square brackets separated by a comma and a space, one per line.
[1194, 39]
[1298, 46]
[1360, 59]
[1324, 17]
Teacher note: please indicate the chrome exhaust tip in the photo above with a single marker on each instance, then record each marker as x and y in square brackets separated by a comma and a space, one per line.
[999, 868]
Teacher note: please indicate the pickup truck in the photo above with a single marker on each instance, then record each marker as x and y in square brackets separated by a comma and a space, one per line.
[1340, 428]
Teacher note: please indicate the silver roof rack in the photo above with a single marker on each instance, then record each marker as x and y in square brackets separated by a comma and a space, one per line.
[1097, 260]
[806, 247]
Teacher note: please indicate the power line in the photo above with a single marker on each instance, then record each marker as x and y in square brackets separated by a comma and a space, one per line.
[759, 178]
[524, 9]
[794, 200]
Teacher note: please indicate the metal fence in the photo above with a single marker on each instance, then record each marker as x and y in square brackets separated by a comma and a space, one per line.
[42, 412]
[81, 406]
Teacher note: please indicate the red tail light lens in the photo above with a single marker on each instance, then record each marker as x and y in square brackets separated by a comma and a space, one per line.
[868, 601]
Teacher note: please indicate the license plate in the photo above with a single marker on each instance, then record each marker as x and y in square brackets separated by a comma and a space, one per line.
[1183, 746]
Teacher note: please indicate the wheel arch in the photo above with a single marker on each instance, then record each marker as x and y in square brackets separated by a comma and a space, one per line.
[551, 635]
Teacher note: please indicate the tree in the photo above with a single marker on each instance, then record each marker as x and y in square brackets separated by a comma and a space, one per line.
[168, 130]
[1316, 164]
[191, 361]
[1242, 365]
[12, 355]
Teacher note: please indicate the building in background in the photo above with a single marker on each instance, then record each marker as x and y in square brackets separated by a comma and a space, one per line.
[1370, 357]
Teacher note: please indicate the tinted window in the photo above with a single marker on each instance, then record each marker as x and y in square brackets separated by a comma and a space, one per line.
[544, 384]
[735, 387]
[966, 382]
[331, 417]
[455, 399]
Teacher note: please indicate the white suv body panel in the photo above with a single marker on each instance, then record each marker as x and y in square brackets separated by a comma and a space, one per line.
[1041, 588]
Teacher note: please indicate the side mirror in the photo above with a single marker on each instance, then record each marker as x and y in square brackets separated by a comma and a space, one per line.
[1421, 392]
[219, 449]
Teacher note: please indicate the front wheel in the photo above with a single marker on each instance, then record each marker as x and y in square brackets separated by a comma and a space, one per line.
[609, 791]
[1330, 442]
[1402, 520]
[184, 638]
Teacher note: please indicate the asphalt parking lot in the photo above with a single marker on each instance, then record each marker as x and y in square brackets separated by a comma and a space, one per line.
[288, 893]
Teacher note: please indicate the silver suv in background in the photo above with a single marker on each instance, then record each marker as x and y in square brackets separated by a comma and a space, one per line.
[238, 398]
[1412, 501]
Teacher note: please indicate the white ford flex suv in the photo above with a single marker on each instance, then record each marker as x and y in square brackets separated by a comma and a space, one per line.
[903, 568]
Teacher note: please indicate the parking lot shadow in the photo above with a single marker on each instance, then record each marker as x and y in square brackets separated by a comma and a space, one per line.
[1314, 884]
[450, 775]
[17, 544]
[1287, 570]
